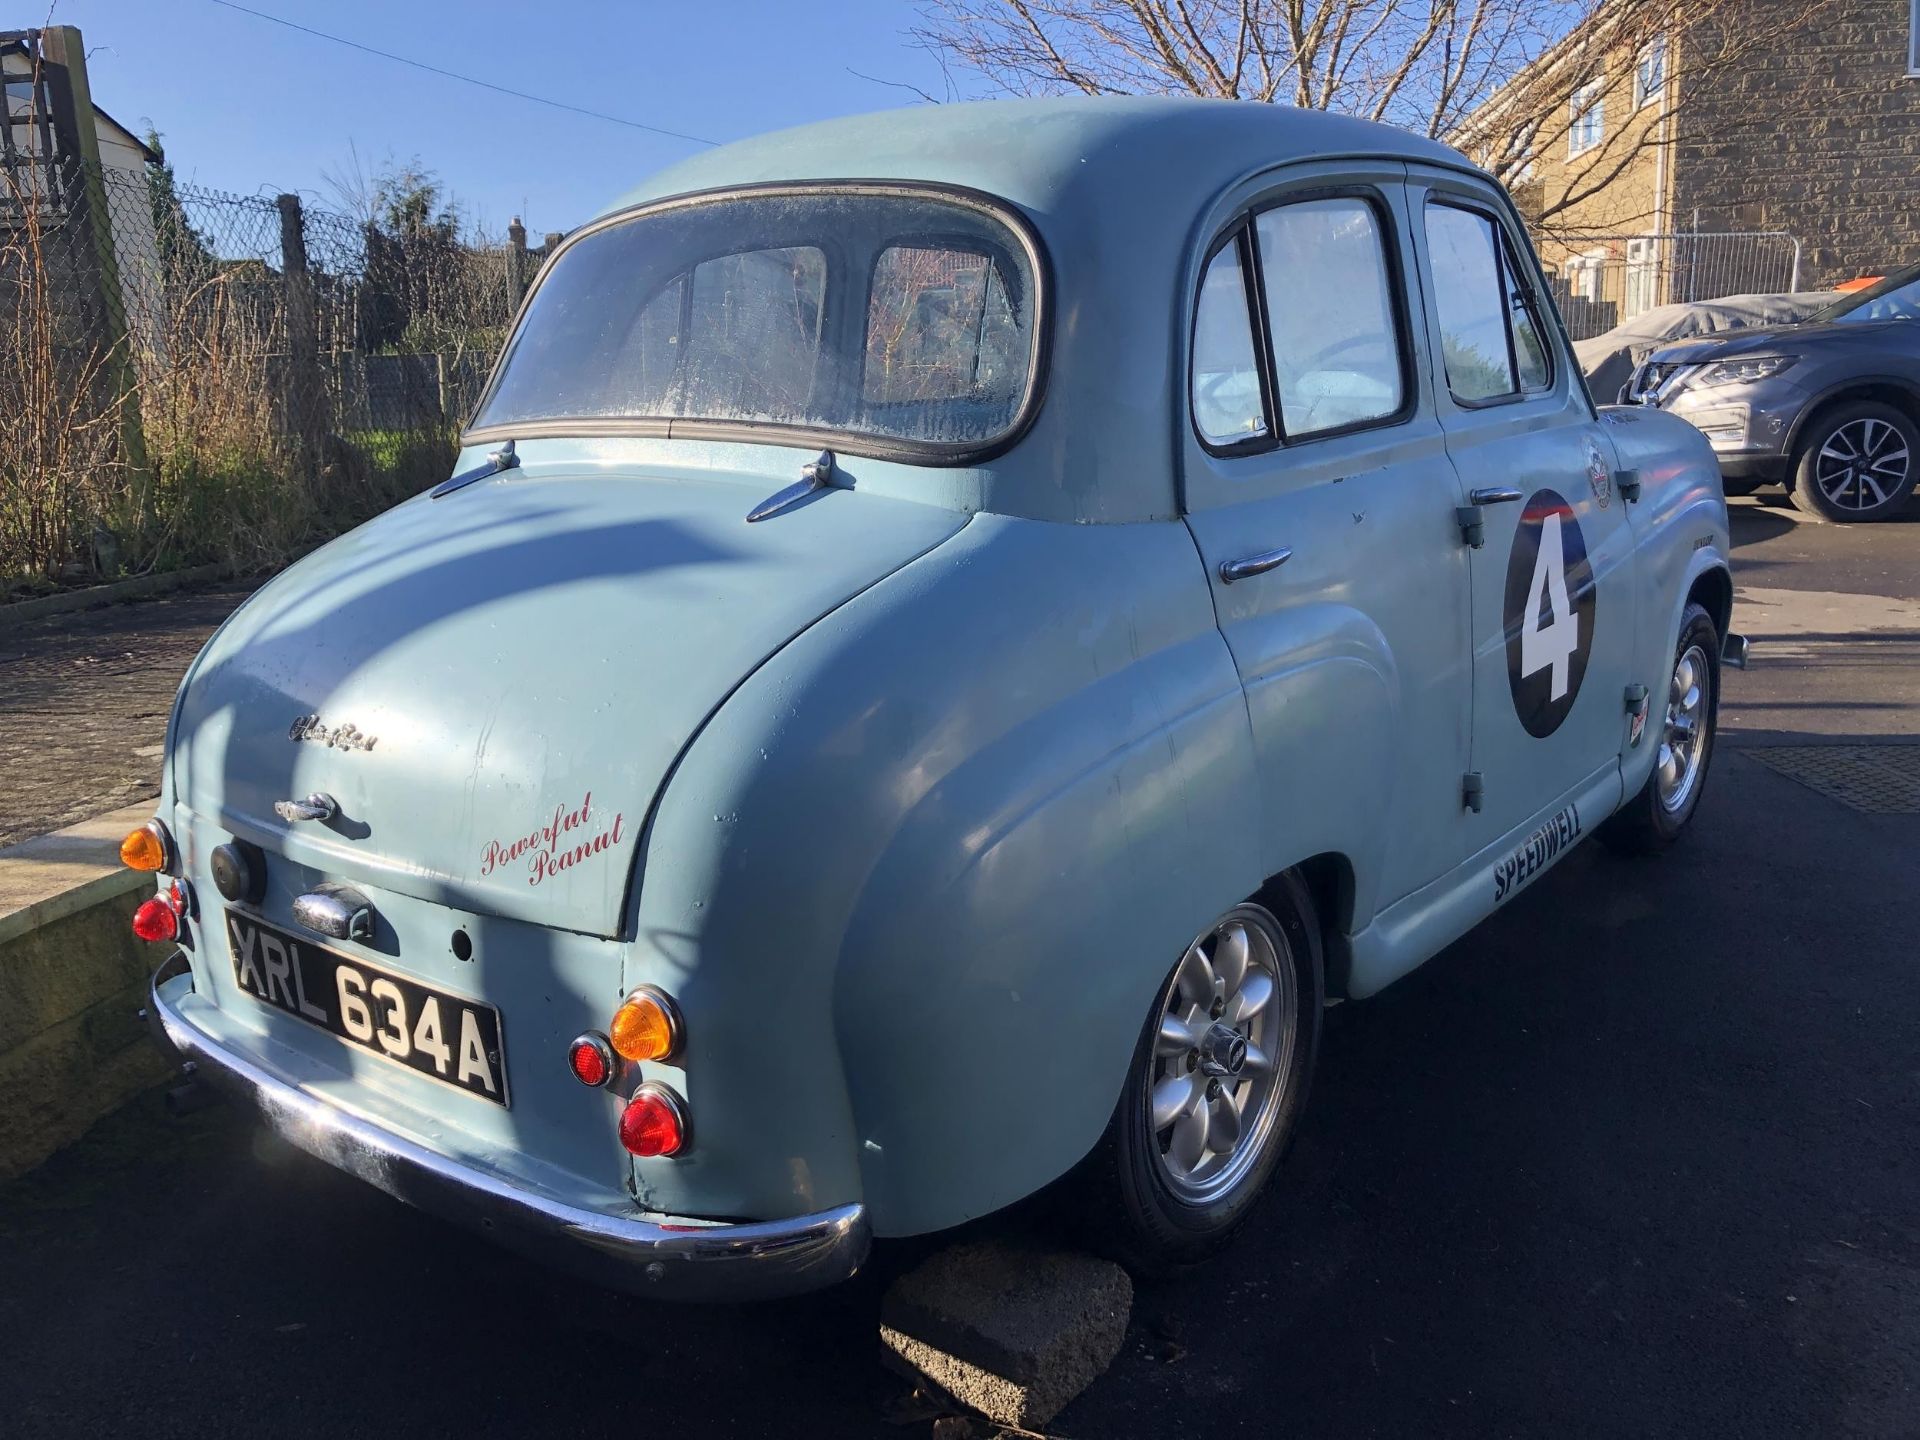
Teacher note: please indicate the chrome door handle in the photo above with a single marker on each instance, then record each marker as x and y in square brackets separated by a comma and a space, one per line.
[1495, 495]
[1232, 570]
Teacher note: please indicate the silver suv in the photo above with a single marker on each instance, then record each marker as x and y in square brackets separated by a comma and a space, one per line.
[1829, 407]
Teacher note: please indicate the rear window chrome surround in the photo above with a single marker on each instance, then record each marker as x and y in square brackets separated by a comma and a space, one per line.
[843, 442]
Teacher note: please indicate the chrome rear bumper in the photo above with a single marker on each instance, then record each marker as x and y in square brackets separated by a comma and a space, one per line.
[654, 1257]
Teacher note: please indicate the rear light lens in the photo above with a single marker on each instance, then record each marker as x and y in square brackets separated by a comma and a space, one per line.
[590, 1058]
[654, 1124]
[646, 1026]
[147, 848]
[156, 919]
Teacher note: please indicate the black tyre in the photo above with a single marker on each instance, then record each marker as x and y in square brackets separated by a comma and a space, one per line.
[1216, 1088]
[1858, 461]
[1681, 724]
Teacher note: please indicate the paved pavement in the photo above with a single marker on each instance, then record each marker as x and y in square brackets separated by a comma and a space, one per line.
[1639, 1156]
[84, 699]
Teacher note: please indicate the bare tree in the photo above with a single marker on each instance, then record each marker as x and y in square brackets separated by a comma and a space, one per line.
[1507, 80]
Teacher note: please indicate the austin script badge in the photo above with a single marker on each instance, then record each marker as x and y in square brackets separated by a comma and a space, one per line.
[340, 737]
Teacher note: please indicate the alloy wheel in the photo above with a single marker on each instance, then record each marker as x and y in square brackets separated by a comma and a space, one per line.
[1222, 1059]
[1683, 743]
[1863, 464]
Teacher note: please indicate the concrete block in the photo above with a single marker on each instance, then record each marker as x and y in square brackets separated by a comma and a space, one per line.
[72, 977]
[1012, 1332]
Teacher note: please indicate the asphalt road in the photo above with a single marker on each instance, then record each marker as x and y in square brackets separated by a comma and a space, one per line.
[1641, 1155]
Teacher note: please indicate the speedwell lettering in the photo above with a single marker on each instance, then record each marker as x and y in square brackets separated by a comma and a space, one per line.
[1543, 847]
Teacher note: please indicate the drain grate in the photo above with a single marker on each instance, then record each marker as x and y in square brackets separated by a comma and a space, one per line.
[1877, 779]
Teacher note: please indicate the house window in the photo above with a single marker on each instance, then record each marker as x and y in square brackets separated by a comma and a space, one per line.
[1584, 275]
[1643, 275]
[1650, 75]
[1588, 118]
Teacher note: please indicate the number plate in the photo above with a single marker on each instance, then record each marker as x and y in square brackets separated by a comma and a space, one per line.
[453, 1040]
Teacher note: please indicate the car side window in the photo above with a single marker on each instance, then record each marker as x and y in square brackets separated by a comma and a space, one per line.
[1493, 344]
[1331, 315]
[1529, 336]
[1227, 405]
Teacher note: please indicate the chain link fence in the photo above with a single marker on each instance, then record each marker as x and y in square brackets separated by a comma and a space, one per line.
[1600, 281]
[188, 376]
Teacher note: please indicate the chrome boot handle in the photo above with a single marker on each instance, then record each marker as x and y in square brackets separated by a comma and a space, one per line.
[317, 806]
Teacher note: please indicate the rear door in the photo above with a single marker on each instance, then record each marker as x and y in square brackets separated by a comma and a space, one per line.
[1313, 434]
[1553, 573]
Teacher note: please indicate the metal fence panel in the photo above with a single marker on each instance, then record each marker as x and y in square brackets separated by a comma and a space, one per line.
[187, 375]
[1600, 281]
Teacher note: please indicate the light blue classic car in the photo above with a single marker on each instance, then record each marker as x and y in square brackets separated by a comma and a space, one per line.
[952, 637]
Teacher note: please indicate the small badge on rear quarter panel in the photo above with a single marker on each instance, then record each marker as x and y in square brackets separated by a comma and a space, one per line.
[1598, 475]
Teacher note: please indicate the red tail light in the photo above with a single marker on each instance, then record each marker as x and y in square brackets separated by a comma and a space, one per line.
[156, 919]
[591, 1060]
[654, 1123]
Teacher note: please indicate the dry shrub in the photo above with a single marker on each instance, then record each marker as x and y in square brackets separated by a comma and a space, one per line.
[59, 406]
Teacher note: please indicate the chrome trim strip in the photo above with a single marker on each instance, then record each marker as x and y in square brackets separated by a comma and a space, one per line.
[649, 1257]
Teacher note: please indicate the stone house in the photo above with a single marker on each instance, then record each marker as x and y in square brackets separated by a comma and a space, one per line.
[1783, 133]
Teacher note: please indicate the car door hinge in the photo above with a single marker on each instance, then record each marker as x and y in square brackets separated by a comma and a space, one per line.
[1627, 482]
[1473, 529]
[1472, 790]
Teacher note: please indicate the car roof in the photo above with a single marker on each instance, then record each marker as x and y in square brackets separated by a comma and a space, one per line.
[1158, 149]
[1116, 188]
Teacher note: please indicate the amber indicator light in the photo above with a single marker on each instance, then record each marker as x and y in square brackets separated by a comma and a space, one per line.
[646, 1026]
[145, 848]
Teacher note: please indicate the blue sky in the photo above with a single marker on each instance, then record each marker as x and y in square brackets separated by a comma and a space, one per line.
[248, 106]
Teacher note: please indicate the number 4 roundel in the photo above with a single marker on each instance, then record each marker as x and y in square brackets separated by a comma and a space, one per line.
[1549, 612]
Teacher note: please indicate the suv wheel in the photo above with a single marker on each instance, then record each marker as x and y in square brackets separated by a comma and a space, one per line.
[1858, 462]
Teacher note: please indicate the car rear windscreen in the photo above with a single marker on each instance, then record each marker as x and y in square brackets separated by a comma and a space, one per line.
[907, 316]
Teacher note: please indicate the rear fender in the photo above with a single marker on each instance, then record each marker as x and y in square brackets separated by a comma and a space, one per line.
[923, 874]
